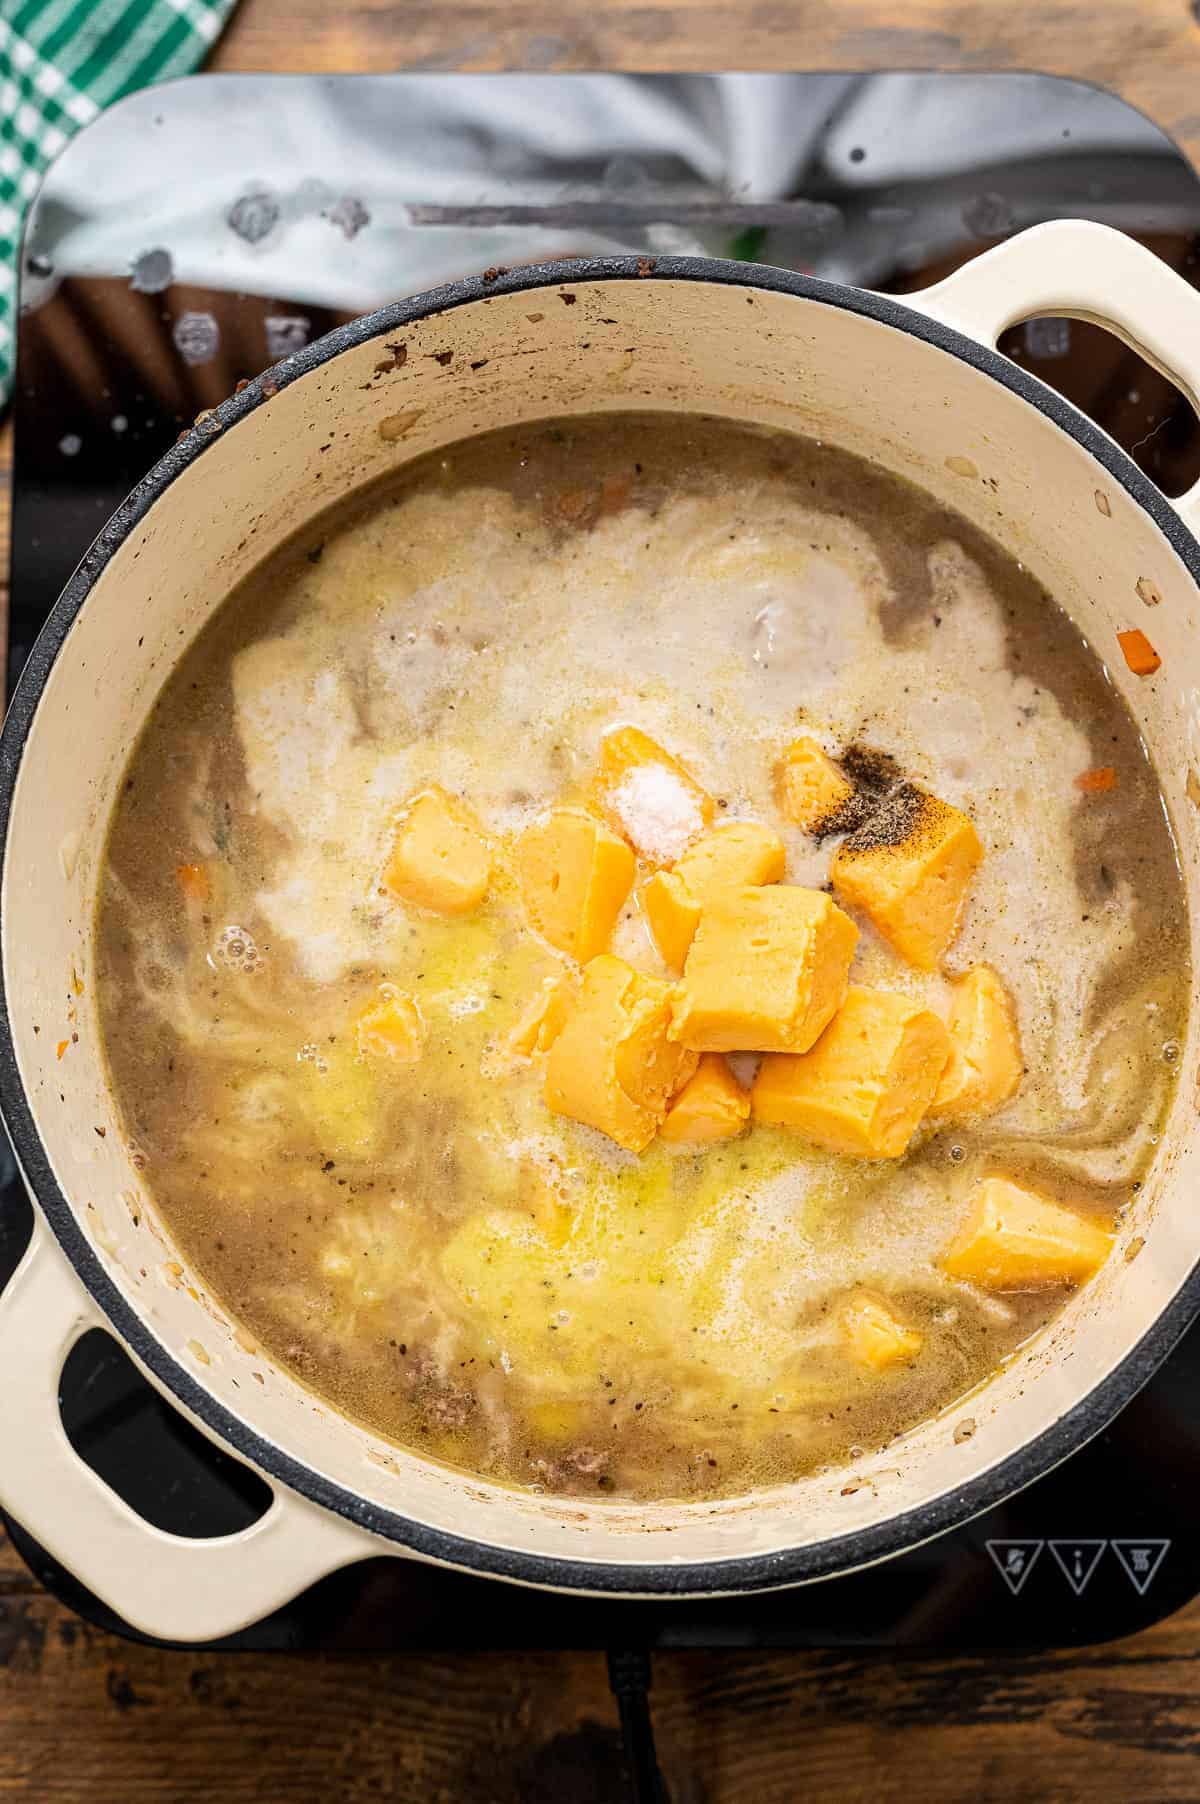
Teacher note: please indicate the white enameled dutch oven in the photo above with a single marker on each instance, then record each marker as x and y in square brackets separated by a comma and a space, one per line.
[916, 386]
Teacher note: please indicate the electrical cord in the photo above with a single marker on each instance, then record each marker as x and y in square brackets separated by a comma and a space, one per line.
[629, 1679]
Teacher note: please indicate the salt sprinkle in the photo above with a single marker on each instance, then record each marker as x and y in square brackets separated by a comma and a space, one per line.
[657, 810]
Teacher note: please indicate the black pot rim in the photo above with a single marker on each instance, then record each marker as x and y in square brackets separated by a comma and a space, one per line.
[755, 1572]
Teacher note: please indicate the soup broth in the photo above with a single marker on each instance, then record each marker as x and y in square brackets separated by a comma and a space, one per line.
[422, 1241]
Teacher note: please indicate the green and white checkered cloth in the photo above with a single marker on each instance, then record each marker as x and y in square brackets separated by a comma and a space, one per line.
[61, 62]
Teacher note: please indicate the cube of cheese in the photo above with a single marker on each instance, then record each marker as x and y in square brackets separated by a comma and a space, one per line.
[649, 796]
[984, 1067]
[875, 1336]
[736, 853]
[1014, 1239]
[613, 1066]
[766, 971]
[866, 1083]
[440, 858]
[391, 1027]
[908, 869]
[711, 1106]
[672, 915]
[544, 1019]
[575, 875]
[809, 787]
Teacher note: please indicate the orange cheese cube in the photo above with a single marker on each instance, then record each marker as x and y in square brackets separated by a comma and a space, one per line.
[866, 1083]
[984, 1067]
[736, 853]
[672, 915]
[613, 1066]
[875, 1337]
[1014, 1239]
[575, 875]
[440, 858]
[766, 971]
[711, 1106]
[911, 883]
[649, 796]
[544, 1019]
[809, 787]
[391, 1027]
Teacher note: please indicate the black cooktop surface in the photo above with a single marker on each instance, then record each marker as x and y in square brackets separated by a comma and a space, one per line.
[199, 232]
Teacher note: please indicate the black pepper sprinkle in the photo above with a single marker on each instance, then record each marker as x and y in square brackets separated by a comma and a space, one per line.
[895, 818]
[872, 774]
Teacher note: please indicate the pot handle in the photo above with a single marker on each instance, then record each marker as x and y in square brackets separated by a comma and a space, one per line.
[1077, 268]
[163, 1585]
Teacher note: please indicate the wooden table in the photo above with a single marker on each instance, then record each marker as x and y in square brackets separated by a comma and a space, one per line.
[91, 1720]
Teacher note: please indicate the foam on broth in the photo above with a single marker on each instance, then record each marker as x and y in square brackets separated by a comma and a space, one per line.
[426, 1245]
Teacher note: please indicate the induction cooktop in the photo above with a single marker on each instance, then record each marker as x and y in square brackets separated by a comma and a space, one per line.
[199, 232]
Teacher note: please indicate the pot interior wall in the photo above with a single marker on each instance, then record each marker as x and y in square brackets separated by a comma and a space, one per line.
[796, 364]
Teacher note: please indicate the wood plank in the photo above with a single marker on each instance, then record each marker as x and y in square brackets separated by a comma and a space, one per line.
[1149, 52]
[91, 1720]
[15, 1577]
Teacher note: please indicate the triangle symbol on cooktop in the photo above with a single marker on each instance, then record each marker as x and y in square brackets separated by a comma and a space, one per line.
[1078, 1560]
[1015, 1560]
[1141, 1560]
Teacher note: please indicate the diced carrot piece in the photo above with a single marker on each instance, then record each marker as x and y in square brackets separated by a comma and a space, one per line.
[193, 881]
[62, 1047]
[1098, 781]
[1138, 652]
